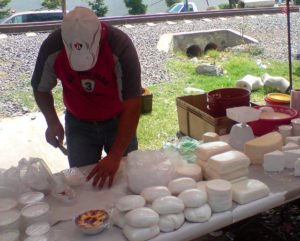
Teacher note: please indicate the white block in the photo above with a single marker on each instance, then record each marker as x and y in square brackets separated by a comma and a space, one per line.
[297, 168]
[293, 139]
[228, 161]
[206, 150]
[291, 157]
[290, 146]
[249, 190]
[274, 161]
[210, 136]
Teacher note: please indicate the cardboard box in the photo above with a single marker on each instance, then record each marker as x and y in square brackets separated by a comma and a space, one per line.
[194, 118]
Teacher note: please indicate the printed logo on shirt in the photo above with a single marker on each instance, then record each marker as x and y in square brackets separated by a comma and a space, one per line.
[88, 84]
[78, 46]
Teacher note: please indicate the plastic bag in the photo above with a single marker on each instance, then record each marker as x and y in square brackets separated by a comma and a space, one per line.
[151, 168]
[36, 174]
[185, 146]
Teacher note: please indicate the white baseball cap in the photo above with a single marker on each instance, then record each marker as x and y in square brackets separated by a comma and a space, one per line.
[81, 33]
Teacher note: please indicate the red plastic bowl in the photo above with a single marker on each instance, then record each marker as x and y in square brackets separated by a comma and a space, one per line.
[272, 102]
[220, 99]
[264, 126]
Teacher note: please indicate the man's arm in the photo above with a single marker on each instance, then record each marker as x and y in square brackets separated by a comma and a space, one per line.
[55, 129]
[109, 165]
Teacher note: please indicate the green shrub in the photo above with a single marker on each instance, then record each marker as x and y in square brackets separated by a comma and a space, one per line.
[171, 2]
[224, 6]
[297, 2]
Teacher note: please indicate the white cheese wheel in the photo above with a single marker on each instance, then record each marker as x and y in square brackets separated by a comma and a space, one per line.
[274, 161]
[7, 204]
[256, 148]
[297, 168]
[73, 176]
[219, 194]
[130, 202]
[201, 185]
[9, 218]
[170, 222]
[228, 161]
[290, 158]
[189, 170]
[118, 218]
[12, 235]
[178, 185]
[31, 197]
[168, 205]
[193, 198]
[37, 229]
[140, 234]
[206, 150]
[210, 136]
[249, 190]
[35, 210]
[151, 193]
[141, 218]
[198, 215]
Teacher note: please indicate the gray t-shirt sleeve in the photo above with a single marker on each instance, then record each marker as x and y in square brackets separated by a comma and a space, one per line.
[44, 78]
[128, 62]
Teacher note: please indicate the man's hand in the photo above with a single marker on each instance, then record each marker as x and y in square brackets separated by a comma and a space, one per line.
[55, 132]
[106, 168]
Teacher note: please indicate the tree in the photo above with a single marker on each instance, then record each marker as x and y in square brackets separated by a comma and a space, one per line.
[171, 2]
[51, 4]
[136, 7]
[98, 7]
[3, 4]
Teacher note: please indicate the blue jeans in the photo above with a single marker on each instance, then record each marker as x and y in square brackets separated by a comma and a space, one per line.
[86, 140]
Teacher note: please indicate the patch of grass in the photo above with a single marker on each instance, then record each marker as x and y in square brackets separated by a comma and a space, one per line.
[162, 124]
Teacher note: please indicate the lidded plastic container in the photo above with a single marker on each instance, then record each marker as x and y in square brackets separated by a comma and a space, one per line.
[7, 204]
[278, 99]
[30, 198]
[11, 235]
[38, 229]
[35, 212]
[9, 219]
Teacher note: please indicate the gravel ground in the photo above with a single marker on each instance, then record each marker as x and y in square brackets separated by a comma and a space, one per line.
[18, 51]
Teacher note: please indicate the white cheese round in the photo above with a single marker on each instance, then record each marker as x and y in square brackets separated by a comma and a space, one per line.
[141, 217]
[198, 215]
[35, 210]
[7, 204]
[193, 198]
[170, 222]
[118, 218]
[151, 193]
[178, 185]
[189, 170]
[13, 235]
[168, 205]
[130, 202]
[219, 194]
[37, 229]
[31, 197]
[8, 218]
[139, 234]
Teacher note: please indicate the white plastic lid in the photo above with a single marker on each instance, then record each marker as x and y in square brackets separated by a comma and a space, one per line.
[37, 238]
[31, 197]
[37, 229]
[35, 209]
[9, 217]
[7, 204]
[12, 235]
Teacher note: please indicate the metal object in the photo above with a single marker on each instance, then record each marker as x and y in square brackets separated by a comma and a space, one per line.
[62, 148]
[49, 26]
